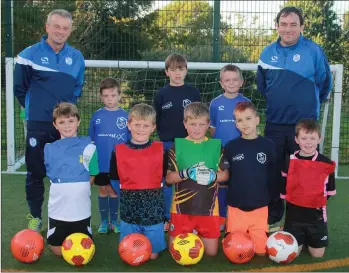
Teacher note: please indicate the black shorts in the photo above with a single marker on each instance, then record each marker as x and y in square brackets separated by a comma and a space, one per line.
[59, 230]
[313, 234]
[102, 179]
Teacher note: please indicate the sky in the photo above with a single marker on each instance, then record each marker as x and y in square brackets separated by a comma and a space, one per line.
[266, 10]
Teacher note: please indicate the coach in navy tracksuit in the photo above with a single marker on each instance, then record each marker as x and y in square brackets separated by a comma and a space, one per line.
[294, 77]
[46, 74]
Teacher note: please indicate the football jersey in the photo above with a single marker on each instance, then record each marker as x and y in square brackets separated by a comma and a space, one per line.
[188, 196]
[222, 117]
[108, 128]
[69, 163]
[251, 166]
[304, 214]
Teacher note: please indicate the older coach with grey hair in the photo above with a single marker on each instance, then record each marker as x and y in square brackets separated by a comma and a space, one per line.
[46, 74]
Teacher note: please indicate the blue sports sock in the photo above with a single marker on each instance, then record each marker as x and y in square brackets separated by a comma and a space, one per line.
[113, 208]
[222, 200]
[103, 207]
[168, 201]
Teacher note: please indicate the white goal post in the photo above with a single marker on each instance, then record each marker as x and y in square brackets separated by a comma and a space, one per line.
[13, 163]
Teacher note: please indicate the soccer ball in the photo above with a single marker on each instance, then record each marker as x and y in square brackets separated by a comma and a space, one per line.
[27, 246]
[135, 249]
[78, 249]
[187, 249]
[238, 247]
[282, 247]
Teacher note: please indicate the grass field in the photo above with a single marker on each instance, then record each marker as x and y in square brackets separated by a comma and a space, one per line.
[14, 210]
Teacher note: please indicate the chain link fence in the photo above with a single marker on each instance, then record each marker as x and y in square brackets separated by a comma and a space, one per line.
[204, 31]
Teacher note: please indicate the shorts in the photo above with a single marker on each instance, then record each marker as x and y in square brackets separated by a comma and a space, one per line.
[254, 222]
[102, 179]
[313, 234]
[115, 184]
[206, 226]
[155, 234]
[59, 230]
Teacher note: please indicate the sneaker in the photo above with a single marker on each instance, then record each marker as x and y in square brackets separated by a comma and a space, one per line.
[34, 223]
[103, 227]
[166, 226]
[274, 227]
[114, 227]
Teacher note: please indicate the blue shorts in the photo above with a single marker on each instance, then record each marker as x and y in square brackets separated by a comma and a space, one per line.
[154, 233]
[116, 186]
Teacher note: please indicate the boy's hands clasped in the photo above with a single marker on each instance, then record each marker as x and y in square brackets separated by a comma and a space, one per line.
[199, 173]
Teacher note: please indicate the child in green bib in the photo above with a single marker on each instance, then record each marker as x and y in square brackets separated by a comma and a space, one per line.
[195, 168]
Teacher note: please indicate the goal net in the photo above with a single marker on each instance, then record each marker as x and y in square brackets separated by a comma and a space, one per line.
[140, 81]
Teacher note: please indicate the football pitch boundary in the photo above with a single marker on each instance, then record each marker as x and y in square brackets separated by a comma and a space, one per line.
[304, 267]
[286, 268]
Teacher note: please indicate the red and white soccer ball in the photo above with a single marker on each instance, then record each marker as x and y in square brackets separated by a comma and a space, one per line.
[282, 247]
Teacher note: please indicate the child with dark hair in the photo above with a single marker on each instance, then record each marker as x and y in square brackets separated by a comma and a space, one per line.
[108, 126]
[308, 181]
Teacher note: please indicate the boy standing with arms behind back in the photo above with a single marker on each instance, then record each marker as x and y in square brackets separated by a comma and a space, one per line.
[170, 102]
[223, 121]
[108, 127]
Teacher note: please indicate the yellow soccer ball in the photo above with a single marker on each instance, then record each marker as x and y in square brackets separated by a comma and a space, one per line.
[78, 249]
[187, 249]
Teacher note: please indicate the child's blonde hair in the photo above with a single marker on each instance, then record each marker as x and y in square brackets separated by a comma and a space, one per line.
[142, 111]
[175, 60]
[65, 109]
[308, 125]
[196, 110]
[230, 67]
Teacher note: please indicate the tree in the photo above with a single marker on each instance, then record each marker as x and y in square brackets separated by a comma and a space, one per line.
[109, 29]
[103, 29]
[182, 25]
[29, 19]
[251, 40]
[186, 27]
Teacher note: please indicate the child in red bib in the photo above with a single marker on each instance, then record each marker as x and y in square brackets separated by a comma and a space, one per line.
[308, 181]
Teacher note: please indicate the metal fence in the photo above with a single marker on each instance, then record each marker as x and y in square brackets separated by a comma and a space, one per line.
[205, 31]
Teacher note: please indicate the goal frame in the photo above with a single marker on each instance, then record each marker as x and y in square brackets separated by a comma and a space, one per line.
[337, 69]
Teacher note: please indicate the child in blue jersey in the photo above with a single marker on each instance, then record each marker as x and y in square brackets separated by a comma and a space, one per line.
[71, 164]
[170, 102]
[223, 121]
[108, 127]
[140, 164]
[251, 161]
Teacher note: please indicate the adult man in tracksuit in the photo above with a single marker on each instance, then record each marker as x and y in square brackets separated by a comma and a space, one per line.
[294, 77]
[46, 74]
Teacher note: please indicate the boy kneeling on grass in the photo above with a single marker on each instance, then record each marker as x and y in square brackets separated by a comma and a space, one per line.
[71, 164]
[308, 181]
